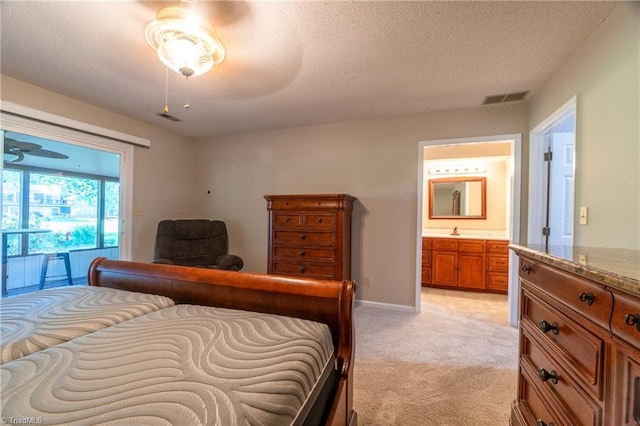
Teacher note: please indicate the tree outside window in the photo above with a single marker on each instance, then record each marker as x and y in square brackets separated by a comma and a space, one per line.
[11, 208]
[81, 212]
[68, 206]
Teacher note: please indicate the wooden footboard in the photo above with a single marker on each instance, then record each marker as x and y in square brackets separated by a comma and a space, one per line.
[328, 302]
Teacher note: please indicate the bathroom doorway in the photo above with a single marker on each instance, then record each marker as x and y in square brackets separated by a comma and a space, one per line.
[474, 151]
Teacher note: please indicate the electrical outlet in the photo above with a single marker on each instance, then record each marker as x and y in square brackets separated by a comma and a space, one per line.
[582, 259]
[583, 216]
[367, 281]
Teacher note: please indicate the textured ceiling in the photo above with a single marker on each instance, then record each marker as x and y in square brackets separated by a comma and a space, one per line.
[298, 62]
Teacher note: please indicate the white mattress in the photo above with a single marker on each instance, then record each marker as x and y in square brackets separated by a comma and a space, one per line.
[182, 365]
[35, 321]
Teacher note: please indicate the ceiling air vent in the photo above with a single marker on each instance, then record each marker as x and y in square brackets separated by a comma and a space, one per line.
[168, 117]
[509, 97]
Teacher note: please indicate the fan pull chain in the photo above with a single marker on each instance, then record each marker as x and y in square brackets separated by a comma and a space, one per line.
[186, 94]
[166, 91]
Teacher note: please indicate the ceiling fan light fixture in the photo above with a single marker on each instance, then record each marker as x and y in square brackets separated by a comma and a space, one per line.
[185, 42]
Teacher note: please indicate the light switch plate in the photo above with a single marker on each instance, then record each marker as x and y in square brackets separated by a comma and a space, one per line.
[583, 216]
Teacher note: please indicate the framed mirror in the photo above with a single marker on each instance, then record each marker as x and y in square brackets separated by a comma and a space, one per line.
[458, 198]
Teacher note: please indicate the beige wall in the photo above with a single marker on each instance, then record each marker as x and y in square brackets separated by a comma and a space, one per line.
[605, 75]
[377, 161]
[496, 200]
[373, 160]
[163, 174]
[495, 157]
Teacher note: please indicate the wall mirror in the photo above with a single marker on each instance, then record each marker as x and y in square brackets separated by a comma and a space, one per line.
[458, 198]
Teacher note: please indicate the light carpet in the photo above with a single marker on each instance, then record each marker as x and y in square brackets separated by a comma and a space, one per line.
[454, 364]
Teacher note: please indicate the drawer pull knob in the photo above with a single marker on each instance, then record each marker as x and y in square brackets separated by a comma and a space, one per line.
[546, 327]
[526, 269]
[303, 237]
[632, 319]
[545, 375]
[320, 220]
[302, 253]
[288, 220]
[587, 297]
[302, 269]
[541, 423]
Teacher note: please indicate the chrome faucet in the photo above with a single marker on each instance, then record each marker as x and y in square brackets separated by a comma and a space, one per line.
[455, 231]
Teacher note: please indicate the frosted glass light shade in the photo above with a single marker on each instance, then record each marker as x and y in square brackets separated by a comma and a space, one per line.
[185, 43]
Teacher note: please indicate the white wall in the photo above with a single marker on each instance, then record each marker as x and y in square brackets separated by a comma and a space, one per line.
[373, 160]
[163, 174]
[605, 74]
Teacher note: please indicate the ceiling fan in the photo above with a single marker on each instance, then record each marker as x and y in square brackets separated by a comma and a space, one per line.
[14, 151]
[263, 51]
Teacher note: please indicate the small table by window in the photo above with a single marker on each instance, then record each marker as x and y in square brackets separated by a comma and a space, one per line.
[5, 242]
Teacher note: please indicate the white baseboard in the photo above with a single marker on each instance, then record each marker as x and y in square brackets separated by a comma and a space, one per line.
[388, 306]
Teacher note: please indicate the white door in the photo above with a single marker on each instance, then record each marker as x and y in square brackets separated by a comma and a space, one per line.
[551, 183]
[561, 189]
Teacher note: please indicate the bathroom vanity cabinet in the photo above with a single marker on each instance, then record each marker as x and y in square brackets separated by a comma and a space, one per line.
[465, 264]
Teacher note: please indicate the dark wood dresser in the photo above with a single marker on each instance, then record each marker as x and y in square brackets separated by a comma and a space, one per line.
[310, 235]
[579, 338]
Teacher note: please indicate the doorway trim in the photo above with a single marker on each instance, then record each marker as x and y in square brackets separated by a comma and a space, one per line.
[515, 177]
[537, 178]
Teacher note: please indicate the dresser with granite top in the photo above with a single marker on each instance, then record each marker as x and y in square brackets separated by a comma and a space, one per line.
[579, 354]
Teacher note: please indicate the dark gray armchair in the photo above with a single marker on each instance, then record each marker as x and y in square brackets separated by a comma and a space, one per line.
[200, 243]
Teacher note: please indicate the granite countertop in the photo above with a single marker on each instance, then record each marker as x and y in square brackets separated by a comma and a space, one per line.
[616, 268]
[466, 237]
[464, 234]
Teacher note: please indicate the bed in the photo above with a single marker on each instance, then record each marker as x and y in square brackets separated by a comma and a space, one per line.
[36, 321]
[206, 347]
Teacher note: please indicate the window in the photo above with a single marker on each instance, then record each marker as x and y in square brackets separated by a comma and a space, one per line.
[22, 119]
[56, 198]
[111, 216]
[11, 208]
[44, 183]
[78, 212]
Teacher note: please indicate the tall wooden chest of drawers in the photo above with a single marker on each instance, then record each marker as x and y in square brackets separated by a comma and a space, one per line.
[310, 235]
